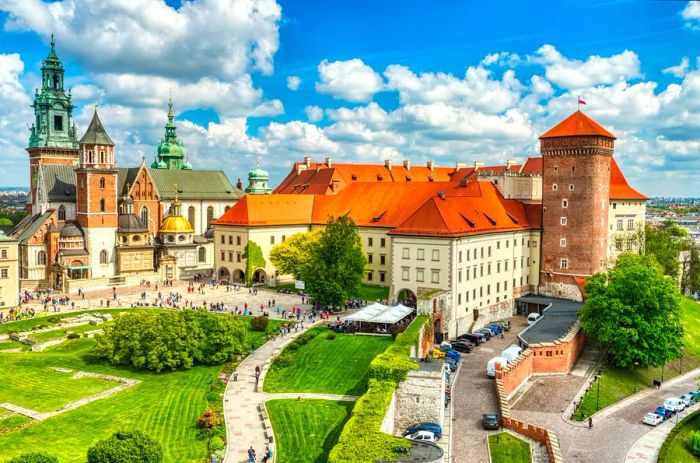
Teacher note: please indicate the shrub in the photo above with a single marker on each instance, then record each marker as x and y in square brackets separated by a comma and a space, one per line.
[53, 319]
[126, 447]
[215, 444]
[73, 335]
[293, 346]
[36, 457]
[282, 361]
[212, 397]
[394, 330]
[330, 336]
[259, 323]
[209, 419]
[694, 443]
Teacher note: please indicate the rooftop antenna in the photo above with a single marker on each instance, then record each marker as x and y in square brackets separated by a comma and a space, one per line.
[53, 42]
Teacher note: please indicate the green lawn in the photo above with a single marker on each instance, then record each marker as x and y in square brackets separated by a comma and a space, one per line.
[6, 345]
[11, 422]
[43, 320]
[675, 450]
[506, 448]
[258, 337]
[337, 366]
[306, 430]
[617, 384]
[60, 333]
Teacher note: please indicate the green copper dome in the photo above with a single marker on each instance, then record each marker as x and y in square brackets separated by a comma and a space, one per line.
[187, 165]
[258, 181]
[171, 152]
[258, 173]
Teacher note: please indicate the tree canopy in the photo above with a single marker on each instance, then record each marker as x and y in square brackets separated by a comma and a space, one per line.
[126, 447]
[635, 310]
[170, 340]
[254, 260]
[35, 457]
[292, 255]
[665, 241]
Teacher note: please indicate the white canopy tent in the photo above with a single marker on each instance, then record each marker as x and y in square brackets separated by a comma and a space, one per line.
[381, 314]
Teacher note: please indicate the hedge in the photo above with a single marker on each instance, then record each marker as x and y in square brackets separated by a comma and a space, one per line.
[361, 440]
[672, 435]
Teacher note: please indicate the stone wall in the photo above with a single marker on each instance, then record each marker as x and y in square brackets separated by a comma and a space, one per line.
[421, 397]
[390, 417]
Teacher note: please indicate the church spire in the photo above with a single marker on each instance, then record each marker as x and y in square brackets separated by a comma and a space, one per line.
[171, 153]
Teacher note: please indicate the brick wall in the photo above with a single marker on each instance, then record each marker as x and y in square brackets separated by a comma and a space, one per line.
[516, 373]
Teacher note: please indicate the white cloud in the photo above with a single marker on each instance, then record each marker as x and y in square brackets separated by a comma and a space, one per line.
[314, 113]
[350, 80]
[298, 137]
[501, 59]
[203, 38]
[293, 83]
[15, 115]
[691, 15]
[575, 74]
[680, 69]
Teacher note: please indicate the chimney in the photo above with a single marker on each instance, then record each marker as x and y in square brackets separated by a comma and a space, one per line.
[464, 182]
[239, 184]
[407, 164]
[328, 163]
[460, 165]
[478, 164]
[429, 165]
[307, 161]
[510, 163]
[441, 195]
[387, 163]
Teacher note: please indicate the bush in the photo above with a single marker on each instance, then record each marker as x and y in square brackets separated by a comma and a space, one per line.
[126, 447]
[330, 336]
[73, 335]
[215, 444]
[694, 443]
[394, 330]
[35, 457]
[282, 361]
[209, 419]
[259, 323]
[213, 397]
[53, 319]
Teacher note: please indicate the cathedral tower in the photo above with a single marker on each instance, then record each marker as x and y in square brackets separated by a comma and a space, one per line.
[576, 158]
[171, 153]
[52, 137]
[96, 196]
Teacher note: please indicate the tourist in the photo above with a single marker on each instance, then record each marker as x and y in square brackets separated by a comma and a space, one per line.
[590, 422]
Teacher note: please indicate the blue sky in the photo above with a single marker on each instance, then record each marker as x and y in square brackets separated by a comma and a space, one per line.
[446, 81]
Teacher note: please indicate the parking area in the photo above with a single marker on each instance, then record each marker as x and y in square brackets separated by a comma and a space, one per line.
[473, 394]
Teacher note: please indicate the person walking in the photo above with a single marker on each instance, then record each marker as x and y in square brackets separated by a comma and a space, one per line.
[590, 422]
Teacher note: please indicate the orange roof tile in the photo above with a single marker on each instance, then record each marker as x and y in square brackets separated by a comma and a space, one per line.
[269, 210]
[577, 124]
[619, 188]
[532, 166]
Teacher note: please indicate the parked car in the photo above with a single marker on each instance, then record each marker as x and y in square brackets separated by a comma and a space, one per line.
[532, 318]
[453, 354]
[490, 329]
[675, 404]
[664, 412]
[652, 419]
[462, 347]
[491, 366]
[695, 394]
[463, 341]
[505, 323]
[688, 399]
[425, 426]
[445, 346]
[485, 332]
[491, 421]
[438, 354]
[511, 353]
[476, 338]
[498, 329]
[422, 436]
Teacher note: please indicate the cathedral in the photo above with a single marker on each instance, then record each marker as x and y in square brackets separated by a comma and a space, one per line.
[93, 224]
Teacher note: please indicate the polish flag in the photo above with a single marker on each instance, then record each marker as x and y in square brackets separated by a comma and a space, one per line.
[580, 101]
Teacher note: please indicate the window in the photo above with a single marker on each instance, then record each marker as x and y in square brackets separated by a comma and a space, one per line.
[466, 296]
[488, 269]
[406, 253]
[488, 290]
[482, 252]
[230, 256]
[102, 183]
[554, 187]
[382, 277]
[404, 273]
[507, 244]
[630, 224]
[618, 244]
[562, 221]
[459, 257]
[369, 243]
[210, 216]
[459, 299]
[369, 258]
[102, 205]
[630, 244]
[498, 286]
[481, 270]
[534, 243]
[556, 168]
[614, 205]
[459, 276]
[102, 157]
[238, 240]
[467, 274]
[505, 264]
[3, 253]
[382, 259]
[272, 240]
[420, 254]
[369, 276]
[191, 216]
[202, 255]
[564, 263]
[103, 256]
[61, 212]
[562, 242]
[436, 255]
[498, 267]
[420, 275]
[230, 239]
[58, 123]
[223, 256]
[223, 239]
[435, 276]
[571, 187]
[382, 242]
[3, 273]
[498, 245]
[619, 224]
[505, 285]
[489, 251]
[41, 258]
[564, 203]
[144, 215]
[89, 157]
[284, 238]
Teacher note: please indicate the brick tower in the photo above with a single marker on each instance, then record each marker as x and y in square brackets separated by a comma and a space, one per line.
[576, 158]
[52, 138]
[96, 197]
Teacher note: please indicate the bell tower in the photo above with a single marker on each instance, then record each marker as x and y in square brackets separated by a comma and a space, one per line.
[52, 135]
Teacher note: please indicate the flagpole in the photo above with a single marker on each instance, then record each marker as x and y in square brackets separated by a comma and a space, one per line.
[578, 99]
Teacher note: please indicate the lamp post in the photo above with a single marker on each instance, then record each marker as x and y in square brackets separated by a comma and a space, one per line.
[680, 372]
[662, 372]
[636, 364]
[597, 395]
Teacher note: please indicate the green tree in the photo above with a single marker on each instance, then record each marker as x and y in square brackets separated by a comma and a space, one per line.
[292, 255]
[635, 310]
[334, 272]
[35, 457]
[665, 241]
[254, 260]
[126, 447]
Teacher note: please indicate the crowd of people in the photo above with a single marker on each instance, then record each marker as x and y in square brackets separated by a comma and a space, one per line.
[17, 313]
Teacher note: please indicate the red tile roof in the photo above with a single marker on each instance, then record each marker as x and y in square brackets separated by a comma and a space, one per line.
[254, 210]
[619, 188]
[577, 124]
[532, 166]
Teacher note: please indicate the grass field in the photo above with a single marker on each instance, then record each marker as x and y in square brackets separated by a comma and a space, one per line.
[12, 422]
[506, 448]
[25, 325]
[617, 384]
[5, 345]
[676, 449]
[307, 430]
[336, 366]
[60, 333]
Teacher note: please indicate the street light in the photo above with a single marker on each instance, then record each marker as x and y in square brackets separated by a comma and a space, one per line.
[636, 364]
[597, 396]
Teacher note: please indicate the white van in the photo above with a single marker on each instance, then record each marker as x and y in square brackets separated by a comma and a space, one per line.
[491, 366]
[675, 404]
[511, 353]
[532, 318]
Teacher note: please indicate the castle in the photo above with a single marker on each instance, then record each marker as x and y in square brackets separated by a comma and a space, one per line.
[478, 237]
[94, 224]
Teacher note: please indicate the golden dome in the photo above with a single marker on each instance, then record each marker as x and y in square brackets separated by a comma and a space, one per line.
[176, 224]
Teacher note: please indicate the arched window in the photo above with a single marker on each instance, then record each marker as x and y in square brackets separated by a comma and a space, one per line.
[210, 216]
[144, 216]
[41, 258]
[102, 157]
[61, 212]
[90, 157]
[103, 256]
[102, 205]
[202, 255]
[102, 183]
[191, 216]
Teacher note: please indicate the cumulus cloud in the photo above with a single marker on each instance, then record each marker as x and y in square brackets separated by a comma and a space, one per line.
[15, 114]
[350, 80]
[574, 74]
[314, 113]
[691, 15]
[293, 83]
[680, 69]
[503, 58]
